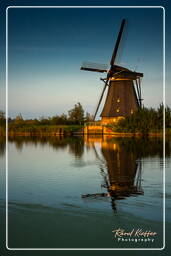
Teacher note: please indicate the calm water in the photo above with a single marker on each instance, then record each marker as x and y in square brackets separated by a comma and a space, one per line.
[73, 192]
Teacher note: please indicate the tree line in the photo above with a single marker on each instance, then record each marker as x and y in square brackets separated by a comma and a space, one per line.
[145, 120]
[76, 116]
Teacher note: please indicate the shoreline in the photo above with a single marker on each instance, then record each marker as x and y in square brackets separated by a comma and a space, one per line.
[72, 134]
[77, 130]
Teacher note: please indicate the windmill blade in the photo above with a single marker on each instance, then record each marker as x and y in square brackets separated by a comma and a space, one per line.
[117, 43]
[101, 96]
[94, 67]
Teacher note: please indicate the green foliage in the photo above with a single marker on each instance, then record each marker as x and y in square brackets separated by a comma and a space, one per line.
[168, 117]
[2, 118]
[2, 123]
[42, 130]
[144, 121]
[76, 115]
[56, 120]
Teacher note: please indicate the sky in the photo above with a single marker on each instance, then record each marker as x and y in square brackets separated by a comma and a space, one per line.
[46, 47]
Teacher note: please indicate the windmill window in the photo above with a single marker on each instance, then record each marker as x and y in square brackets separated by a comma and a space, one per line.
[117, 110]
[118, 100]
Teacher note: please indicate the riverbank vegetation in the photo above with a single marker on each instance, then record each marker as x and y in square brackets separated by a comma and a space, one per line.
[58, 124]
[145, 121]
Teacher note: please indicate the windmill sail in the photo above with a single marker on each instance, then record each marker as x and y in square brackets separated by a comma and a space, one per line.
[117, 43]
[95, 67]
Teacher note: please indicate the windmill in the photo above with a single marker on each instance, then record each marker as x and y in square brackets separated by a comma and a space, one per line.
[124, 87]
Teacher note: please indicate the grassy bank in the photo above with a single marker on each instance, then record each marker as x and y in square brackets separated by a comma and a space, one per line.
[69, 130]
[40, 130]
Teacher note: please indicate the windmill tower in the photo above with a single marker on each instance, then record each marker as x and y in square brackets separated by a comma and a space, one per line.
[124, 87]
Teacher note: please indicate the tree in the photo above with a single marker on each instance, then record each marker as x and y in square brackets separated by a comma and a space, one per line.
[2, 118]
[145, 120]
[57, 120]
[168, 117]
[43, 120]
[160, 115]
[76, 115]
[2, 114]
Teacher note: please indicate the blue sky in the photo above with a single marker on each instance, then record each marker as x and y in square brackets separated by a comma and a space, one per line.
[47, 47]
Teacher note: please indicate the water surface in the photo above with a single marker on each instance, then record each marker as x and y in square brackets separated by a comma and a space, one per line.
[73, 192]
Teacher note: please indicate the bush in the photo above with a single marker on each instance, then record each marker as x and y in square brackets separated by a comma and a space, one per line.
[144, 121]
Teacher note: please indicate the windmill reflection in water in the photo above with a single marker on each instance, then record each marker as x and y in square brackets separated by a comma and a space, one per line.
[121, 171]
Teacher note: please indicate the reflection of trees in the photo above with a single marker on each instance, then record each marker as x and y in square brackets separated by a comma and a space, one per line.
[140, 147]
[144, 147]
[2, 146]
[77, 148]
[75, 144]
[19, 145]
